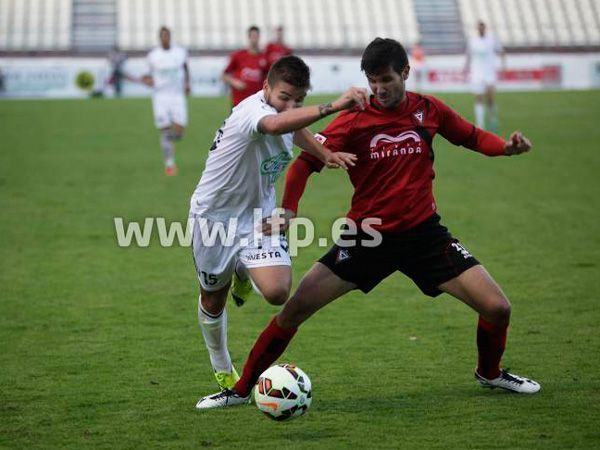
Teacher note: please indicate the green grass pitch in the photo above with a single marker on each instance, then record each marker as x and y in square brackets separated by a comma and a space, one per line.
[100, 346]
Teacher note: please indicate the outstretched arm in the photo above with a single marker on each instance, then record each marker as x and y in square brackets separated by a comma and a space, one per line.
[461, 132]
[297, 118]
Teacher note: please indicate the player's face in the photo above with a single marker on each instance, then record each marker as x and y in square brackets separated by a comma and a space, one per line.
[254, 39]
[388, 86]
[283, 96]
[481, 29]
[165, 39]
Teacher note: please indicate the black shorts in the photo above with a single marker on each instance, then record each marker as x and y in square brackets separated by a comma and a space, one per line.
[427, 253]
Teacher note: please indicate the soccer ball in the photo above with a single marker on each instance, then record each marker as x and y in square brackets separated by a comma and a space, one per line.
[283, 392]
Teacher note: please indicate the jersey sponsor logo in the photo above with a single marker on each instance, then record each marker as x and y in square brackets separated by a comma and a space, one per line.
[419, 115]
[320, 138]
[406, 143]
[274, 166]
[264, 255]
[249, 74]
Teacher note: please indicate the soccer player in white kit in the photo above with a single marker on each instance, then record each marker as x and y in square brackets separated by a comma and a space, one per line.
[481, 64]
[236, 195]
[169, 78]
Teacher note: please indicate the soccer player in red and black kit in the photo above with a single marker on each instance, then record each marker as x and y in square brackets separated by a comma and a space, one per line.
[247, 69]
[392, 139]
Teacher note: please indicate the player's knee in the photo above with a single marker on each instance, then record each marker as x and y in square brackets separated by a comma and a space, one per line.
[212, 304]
[276, 295]
[177, 132]
[500, 311]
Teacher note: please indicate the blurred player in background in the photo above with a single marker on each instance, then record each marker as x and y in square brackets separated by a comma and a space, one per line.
[169, 77]
[482, 51]
[277, 48]
[247, 69]
[117, 60]
[417, 65]
[392, 138]
[250, 151]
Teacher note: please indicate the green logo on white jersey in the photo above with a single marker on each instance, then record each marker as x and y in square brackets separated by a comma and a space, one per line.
[274, 166]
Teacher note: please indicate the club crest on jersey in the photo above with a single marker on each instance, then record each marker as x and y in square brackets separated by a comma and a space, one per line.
[320, 138]
[274, 166]
[342, 255]
[406, 143]
[419, 115]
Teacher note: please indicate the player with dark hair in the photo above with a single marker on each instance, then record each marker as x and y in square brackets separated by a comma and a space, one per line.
[392, 139]
[250, 151]
[247, 68]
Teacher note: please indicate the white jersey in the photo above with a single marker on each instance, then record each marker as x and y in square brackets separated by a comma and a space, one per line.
[242, 167]
[482, 51]
[166, 68]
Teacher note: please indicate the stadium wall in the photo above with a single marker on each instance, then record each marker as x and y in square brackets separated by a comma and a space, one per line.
[56, 77]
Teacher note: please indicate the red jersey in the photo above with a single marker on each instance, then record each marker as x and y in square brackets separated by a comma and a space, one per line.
[276, 50]
[393, 174]
[251, 68]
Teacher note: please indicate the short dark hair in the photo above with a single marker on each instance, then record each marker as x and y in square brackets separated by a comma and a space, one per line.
[164, 28]
[292, 70]
[253, 28]
[382, 53]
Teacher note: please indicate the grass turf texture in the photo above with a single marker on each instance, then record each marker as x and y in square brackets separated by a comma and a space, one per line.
[101, 347]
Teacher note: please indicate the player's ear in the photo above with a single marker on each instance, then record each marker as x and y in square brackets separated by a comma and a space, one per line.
[405, 72]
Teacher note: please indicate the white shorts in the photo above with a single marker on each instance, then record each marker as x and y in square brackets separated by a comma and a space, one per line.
[169, 109]
[482, 79]
[215, 263]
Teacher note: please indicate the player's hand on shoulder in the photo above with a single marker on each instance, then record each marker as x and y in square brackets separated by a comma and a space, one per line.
[517, 144]
[352, 97]
[335, 160]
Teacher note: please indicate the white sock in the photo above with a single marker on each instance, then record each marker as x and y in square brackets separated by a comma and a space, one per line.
[214, 331]
[168, 148]
[480, 115]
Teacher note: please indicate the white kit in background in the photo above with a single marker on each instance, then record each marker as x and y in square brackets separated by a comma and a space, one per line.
[168, 96]
[483, 52]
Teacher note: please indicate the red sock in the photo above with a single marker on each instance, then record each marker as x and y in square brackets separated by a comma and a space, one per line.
[491, 340]
[268, 347]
